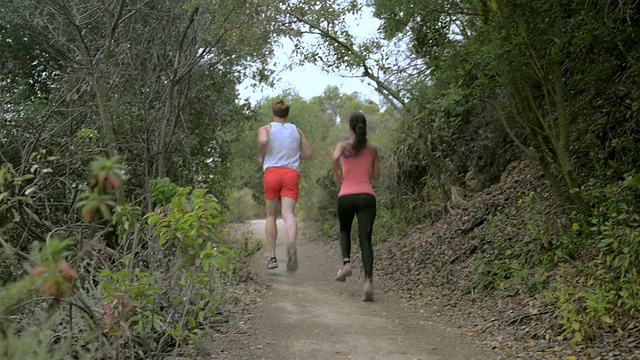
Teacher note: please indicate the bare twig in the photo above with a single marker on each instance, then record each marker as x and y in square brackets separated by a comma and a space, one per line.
[133, 252]
[11, 250]
[516, 319]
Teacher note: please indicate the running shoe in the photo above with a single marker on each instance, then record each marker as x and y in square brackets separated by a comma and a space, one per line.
[367, 291]
[344, 272]
[272, 263]
[292, 262]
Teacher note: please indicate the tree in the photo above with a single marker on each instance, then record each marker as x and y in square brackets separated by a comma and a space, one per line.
[371, 59]
[140, 70]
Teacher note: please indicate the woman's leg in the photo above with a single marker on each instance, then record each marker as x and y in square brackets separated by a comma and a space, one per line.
[366, 216]
[346, 212]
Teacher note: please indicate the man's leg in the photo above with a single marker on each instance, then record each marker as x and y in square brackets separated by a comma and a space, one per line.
[289, 196]
[291, 223]
[289, 217]
[272, 185]
[271, 227]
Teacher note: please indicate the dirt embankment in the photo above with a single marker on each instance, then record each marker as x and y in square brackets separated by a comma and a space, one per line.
[431, 268]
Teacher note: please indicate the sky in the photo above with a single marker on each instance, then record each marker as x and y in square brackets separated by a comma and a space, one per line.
[309, 80]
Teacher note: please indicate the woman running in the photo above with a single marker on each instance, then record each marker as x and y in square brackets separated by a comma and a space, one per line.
[360, 164]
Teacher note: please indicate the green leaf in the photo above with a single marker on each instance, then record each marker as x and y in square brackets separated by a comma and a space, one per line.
[577, 337]
[153, 290]
[154, 219]
[157, 324]
[23, 178]
[192, 321]
[221, 263]
[105, 211]
[606, 242]
[163, 239]
[606, 319]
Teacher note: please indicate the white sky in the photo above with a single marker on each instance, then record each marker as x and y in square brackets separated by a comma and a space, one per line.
[309, 80]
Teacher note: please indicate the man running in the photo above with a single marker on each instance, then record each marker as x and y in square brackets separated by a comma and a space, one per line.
[282, 146]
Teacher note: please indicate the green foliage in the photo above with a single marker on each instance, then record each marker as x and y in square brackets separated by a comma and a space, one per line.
[130, 303]
[15, 292]
[518, 249]
[105, 178]
[605, 294]
[320, 202]
[390, 223]
[189, 223]
[163, 190]
[477, 85]
[50, 281]
[594, 262]
[242, 206]
[126, 218]
[187, 114]
[144, 308]
[35, 343]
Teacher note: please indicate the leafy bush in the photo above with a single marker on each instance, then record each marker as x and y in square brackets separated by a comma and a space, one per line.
[605, 291]
[594, 262]
[161, 295]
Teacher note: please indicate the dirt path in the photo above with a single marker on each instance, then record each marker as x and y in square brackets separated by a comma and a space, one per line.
[307, 315]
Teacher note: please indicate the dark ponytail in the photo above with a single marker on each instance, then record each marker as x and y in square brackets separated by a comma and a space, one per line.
[358, 124]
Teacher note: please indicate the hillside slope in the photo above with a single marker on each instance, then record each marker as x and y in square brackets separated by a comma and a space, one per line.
[443, 267]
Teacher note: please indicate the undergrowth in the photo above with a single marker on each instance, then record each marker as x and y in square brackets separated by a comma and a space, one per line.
[157, 294]
[587, 267]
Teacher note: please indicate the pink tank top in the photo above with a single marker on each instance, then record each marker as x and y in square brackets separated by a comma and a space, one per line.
[356, 173]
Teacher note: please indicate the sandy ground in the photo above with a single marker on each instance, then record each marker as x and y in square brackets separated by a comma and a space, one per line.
[308, 315]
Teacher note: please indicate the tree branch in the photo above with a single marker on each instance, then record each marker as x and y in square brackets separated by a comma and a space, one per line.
[366, 70]
[11, 250]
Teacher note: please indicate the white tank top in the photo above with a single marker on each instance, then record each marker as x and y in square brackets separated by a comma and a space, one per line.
[283, 148]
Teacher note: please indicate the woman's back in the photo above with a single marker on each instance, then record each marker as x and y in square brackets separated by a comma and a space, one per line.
[356, 172]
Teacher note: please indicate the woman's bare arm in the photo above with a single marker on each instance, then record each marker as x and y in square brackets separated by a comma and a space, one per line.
[335, 162]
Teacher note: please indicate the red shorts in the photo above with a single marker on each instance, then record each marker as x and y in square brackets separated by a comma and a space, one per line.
[281, 182]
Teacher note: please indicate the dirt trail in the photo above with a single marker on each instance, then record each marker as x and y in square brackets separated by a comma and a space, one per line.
[308, 315]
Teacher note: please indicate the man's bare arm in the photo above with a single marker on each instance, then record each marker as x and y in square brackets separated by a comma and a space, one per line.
[305, 148]
[263, 140]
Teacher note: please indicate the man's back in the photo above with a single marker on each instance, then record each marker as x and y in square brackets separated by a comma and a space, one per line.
[283, 148]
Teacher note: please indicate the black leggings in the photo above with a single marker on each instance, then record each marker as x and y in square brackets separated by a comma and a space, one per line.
[364, 207]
